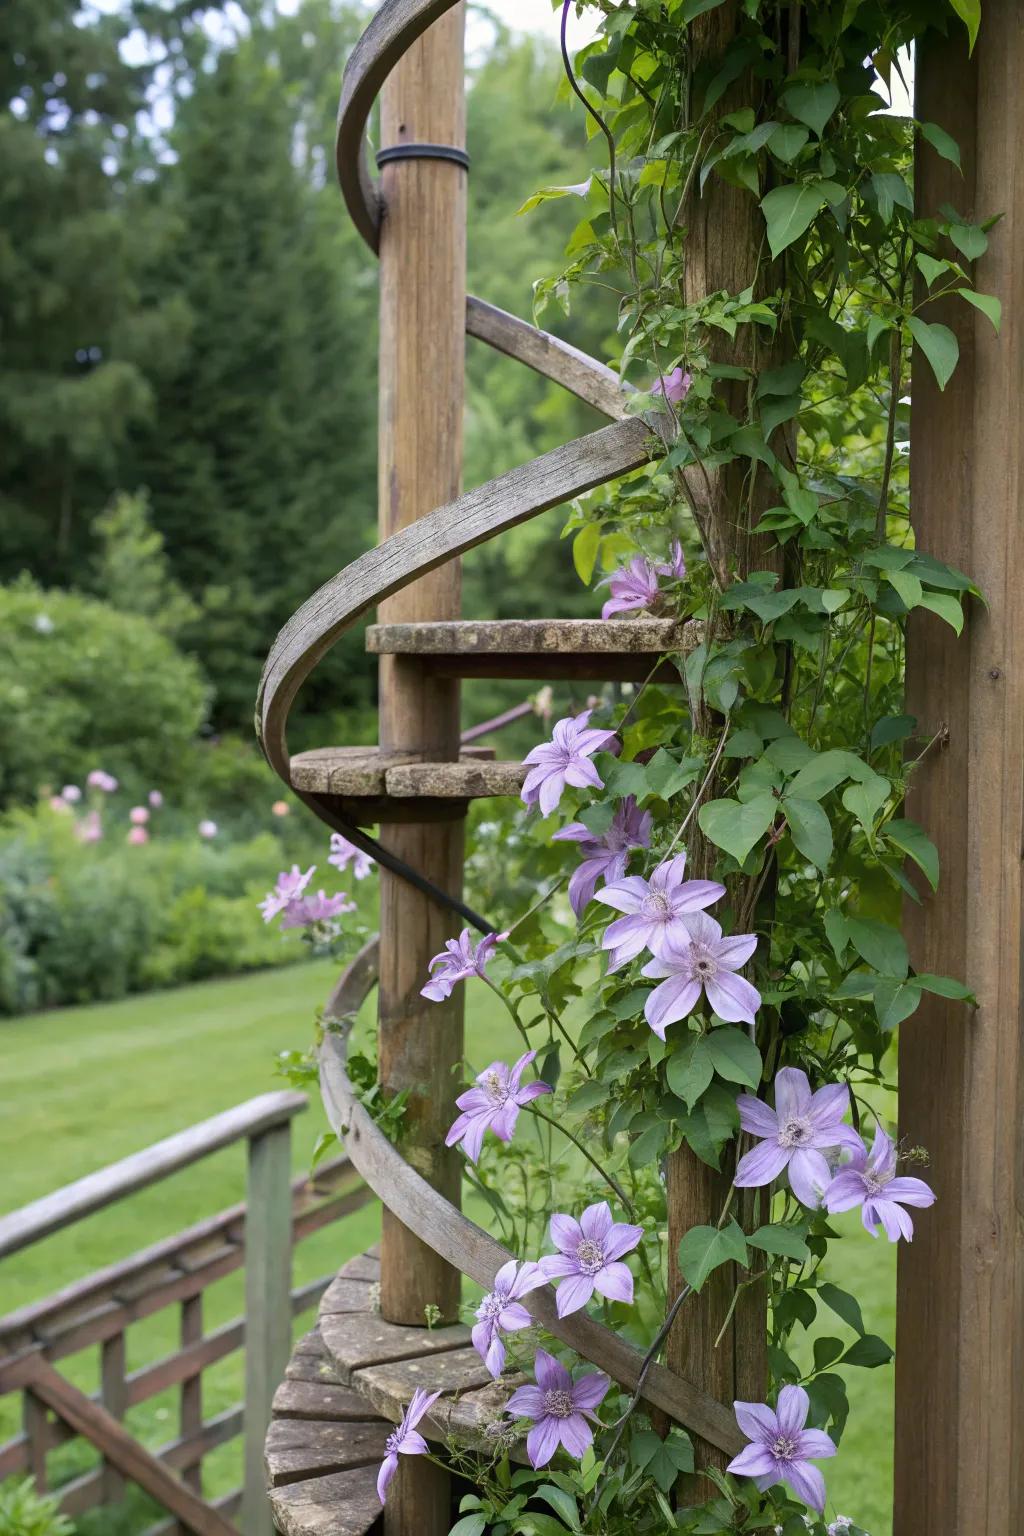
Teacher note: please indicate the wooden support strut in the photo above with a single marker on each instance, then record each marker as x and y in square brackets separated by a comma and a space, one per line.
[422, 326]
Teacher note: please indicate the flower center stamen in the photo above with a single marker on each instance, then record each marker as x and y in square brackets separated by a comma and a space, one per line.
[656, 905]
[491, 1306]
[590, 1256]
[703, 963]
[494, 1088]
[558, 1405]
[796, 1132]
[784, 1447]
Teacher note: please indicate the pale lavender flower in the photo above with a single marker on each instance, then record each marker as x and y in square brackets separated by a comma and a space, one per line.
[565, 759]
[493, 1104]
[794, 1135]
[138, 835]
[559, 1408]
[869, 1180]
[98, 779]
[290, 885]
[138, 815]
[155, 799]
[589, 1257]
[343, 853]
[657, 911]
[840, 1525]
[406, 1440]
[676, 565]
[207, 829]
[675, 386]
[71, 794]
[704, 961]
[633, 586]
[457, 962]
[501, 1310]
[316, 912]
[604, 858]
[781, 1448]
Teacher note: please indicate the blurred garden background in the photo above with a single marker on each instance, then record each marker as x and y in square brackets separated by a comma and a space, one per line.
[188, 412]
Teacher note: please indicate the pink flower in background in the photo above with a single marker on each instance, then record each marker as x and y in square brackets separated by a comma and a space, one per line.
[633, 586]
[493, 1105]
[589, 1251]
[705, 961]
[869, 1180]
[280, 808]
[795, 1134]
[207, 829]
[658, 911]
[406, 1439]
[290, 885]
[90, 828]
[606, 857]
[674, 386]
[138, 835]
[138, 815]
[155, 799]
[565, 759]
[780, 1448]
[559, 1408]
[501, 1311]
[319, 911]
[59, 804]
[343, 853]
[98, 779]
[71, 794]
[456, 962]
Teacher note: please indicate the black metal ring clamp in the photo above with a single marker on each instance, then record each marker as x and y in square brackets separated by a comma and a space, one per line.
[424, 152]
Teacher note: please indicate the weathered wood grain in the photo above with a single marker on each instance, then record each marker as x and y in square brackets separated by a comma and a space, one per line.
[390, 1385]
[318, 1400]
[268, 1322]
[581, 375]
[354, 1340]
[365, 772]
[342, 1504]
[647, 637]
[345, 1295]
[297, 1449]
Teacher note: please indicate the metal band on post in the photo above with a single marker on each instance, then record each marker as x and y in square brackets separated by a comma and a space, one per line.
[423, 152]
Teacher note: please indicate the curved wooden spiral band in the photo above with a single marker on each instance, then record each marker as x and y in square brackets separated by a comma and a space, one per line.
[468, 1247]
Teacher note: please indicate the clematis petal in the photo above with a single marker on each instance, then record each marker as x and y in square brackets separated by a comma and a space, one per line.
[494, 1359]
[513, 1317]
[388, 1468]
[736, 949]
[733, 998]
[625, 895]
[814, 1444]
[551, 1374]
[846, 1190]
[757, 1421]
[622, 1238]
[754, 1461]
[574, 1293]
[590, 1391]
[675, 999]
[809, 1176]
[529, 1278]
[615, 1282]
[556, 1265]
[566, 1232]
[413, 1444]
[761, 1165]
[756, 1118]
[792, 1094]
[542, 1442]
[695, 895]
[792, 1409]
[550, 791]
[576, 1435]
[807, 1483]
[896, 1222]
[828, 1105]
[596, 1221]
[909, 1192]
[526, 1403]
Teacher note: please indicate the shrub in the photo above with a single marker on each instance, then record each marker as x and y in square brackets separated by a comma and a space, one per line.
[24, 1512]
[83, 685]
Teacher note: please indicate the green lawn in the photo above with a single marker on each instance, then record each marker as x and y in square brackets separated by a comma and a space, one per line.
[82, 1087]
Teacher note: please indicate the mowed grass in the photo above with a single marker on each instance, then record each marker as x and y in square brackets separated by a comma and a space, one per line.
[82, 1087]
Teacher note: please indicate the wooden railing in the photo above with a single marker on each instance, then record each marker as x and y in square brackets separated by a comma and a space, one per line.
[98, 1310]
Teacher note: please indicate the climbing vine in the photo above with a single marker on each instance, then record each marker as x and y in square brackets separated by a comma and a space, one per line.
[700, 898]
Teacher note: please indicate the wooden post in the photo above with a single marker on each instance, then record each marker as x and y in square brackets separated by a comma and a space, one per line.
[268, 1313]
[114, 1396]
[422, 326]
[960, 1330]
[37, 1430]
[191, 1395]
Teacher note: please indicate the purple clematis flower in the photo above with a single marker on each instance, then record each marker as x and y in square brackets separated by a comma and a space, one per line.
[456, 962]
[319, 911]
[781, 1448]
[406, 1439]
[869, 1180]
[676, 566]
[494, 1105]
[675, 386]
[605, 858]
[633, 586]
[657, 910]
[344, 853]
[290, 885]
[565, 759]
[588, 1257]
[559, 1408]
[502, 1311]
[705, 960]
[794, 1134]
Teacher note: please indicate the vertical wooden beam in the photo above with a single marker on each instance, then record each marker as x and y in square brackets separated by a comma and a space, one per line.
[114, 1396]
[960, 1329]
[422, 325]
[36, 1428]
[268, 1313]
[191, 1394]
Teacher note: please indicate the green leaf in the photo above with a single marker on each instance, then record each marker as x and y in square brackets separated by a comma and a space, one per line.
[666, 776]
[945, 986]
[810, 829]
[987, 303]
[324, 1142]
[812, 104]
[836, 933]
[469, 1525]
[733, 1055]
[789, 211]
[545, 194]
[787, 140]
[737, 827]
[869, 1351]
[843, 1305]
[703, 1249]
[881, 945]
[826, 1349]
[694, 8]
[584, 551]
[969, 12]
[825, 772]
[930, 268]
[970, 240]
[917, 845]
[891, 728]
[688, 1072]
[891, 192]
[561, 1502]
[946, 606]
[895, 1001]
[942, 142]
[784, 1241]
[939, 346]
[907, 585]
[866, 800]
[664, 1460]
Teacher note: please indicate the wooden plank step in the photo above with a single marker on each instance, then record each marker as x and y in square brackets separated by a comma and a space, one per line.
[297, 1449]
[366, 780]
[612, 650]
[341, 1504]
